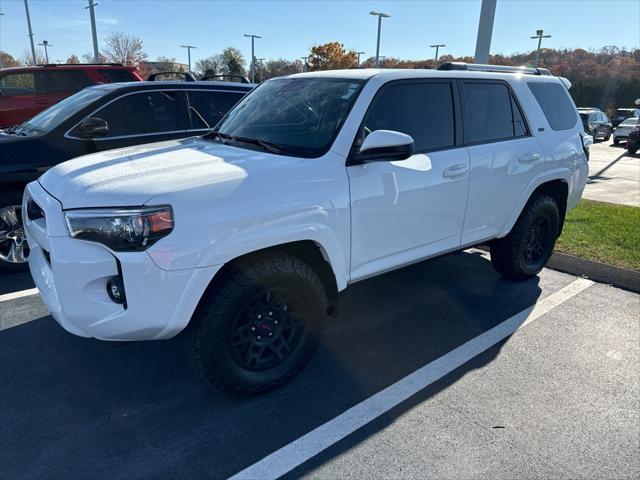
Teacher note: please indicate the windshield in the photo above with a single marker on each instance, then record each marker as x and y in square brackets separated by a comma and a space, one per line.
[630, 122]
[292, 116]
[622, 112]
[56, 114]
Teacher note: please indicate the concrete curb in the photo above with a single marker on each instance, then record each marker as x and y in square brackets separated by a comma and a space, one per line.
[596, 271]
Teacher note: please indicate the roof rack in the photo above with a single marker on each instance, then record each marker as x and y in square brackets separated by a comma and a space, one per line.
[478, 67]
[78, 64]
[227, 78]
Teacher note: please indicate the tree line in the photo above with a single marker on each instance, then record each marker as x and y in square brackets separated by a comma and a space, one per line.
[607, 78]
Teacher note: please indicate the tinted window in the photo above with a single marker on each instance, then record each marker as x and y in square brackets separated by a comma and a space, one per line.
[15, 84]
[554, 101]
[207, 107]
[301, 115]
[491, 113]
[148, 112]
[112, 75]
[422, 110]
[58, 113]
[65, 81]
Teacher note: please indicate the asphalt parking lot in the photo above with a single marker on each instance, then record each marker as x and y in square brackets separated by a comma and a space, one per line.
[439, 370]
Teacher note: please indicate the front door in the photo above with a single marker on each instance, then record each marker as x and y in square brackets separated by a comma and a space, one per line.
[134, 119]
[402, 211]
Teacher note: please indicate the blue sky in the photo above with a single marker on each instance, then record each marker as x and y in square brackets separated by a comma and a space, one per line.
[290, 28]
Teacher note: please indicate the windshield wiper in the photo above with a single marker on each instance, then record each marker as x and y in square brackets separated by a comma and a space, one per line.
[15, 131]
[269, 146]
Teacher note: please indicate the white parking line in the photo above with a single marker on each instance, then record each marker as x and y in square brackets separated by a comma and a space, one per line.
[22, 293]
[306, 447]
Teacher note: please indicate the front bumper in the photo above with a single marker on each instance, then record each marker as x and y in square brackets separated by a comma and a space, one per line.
[71, 276]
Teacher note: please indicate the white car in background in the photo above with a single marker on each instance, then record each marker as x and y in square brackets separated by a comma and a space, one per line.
[311, 183]
[621, 133]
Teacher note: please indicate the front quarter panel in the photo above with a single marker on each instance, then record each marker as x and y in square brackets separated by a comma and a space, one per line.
[257, 208]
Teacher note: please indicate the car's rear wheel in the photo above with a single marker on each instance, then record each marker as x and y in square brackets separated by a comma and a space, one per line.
[632, 150]
[259, 324]
[527, 248]
[616, 141]
[14, 251]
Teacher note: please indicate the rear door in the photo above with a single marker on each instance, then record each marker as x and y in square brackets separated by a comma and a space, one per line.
[136, 118]
[207, 107]
[53, 85]
[504, 157]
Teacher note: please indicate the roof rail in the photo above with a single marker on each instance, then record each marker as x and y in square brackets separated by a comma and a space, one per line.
[478, 67]
[78, 64]
[226, 78]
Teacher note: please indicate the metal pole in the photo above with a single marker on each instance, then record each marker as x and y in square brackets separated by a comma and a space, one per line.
[359, 53]
[261, 65]
[33, 48]
[485, 30]
[380, 16]
[437, 47]
[253, 55]
[188, 47]
[539, 35]
[46, 44]
[304, 65]
[1, 15]
[94, 34]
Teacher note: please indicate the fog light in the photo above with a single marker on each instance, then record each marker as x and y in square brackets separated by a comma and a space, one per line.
[115, 290]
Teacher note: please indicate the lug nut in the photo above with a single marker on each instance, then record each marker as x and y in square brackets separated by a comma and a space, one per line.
[259, 316]
[270, 334]
[271, 314]
[259, 337]
[253, 329]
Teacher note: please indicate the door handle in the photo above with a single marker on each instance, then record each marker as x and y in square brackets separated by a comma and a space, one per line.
[529, 158]
[455, 171]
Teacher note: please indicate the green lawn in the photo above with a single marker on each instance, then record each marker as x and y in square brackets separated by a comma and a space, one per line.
[603, 232]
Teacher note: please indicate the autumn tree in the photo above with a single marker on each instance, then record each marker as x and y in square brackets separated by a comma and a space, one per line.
[7, 60]
[280, 67]
[125, 49]
[208, 66]
[89, 58]
[27, 58]
[73, 59]
[331, 56]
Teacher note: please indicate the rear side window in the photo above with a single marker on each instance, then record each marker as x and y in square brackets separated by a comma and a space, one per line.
[491, 112]
[422, 110]
[16, 84]
[65, 81]
[206, 107]
[113, 75]
[145, 113]
[554, 101]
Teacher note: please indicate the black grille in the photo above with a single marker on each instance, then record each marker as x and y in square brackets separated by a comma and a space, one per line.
[34, 212]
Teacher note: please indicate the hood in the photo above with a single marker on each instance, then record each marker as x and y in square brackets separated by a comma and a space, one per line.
[133, 175]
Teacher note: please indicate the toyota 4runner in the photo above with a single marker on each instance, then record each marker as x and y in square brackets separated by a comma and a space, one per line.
[311, 183]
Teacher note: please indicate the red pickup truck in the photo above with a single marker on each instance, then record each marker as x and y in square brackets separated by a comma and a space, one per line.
[25, 91]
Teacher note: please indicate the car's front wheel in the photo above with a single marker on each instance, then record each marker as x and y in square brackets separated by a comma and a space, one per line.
[14, 251]
[529, 244]
[258, 325]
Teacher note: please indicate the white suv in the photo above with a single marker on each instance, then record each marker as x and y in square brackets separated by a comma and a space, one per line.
[312, 182]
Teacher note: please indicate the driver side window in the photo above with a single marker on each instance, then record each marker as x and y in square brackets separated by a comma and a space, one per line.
[422, 110]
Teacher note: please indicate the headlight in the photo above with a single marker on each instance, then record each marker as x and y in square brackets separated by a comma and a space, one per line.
[122, 229]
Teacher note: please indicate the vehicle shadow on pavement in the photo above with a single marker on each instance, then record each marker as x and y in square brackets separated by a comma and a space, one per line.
[81, 408]
[598, 176]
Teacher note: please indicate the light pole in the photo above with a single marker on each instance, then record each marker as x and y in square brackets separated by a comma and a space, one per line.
[33, 49]
[188, 47]
[380, 16]
[253, 55]
[306, 62]
[437, 47]
[94, 34]
[261, 63]
[359, 53]
[485, 30]
[539, 35]
[45, 44]
[1, 15]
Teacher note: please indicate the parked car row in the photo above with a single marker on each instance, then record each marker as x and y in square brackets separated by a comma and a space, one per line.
[310, 183]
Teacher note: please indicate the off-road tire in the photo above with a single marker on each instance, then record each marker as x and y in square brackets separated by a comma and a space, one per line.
[508, 254]
[213, 323]
[11, 197]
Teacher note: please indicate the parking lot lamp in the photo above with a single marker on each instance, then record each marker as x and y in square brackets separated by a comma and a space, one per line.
[437, 47]
[539, 35]
[45, 44]
[380, 16]
[359, 53]
[94, 34]
[188, 47]
[253, 55]
[305, 65]
[33, 49]
[261, 64]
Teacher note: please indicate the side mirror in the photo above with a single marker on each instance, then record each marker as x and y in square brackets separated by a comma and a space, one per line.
[381, 145]
[93, 127]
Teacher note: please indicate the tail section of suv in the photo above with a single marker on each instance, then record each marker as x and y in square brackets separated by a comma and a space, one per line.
[26, 91]
[311, 183]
